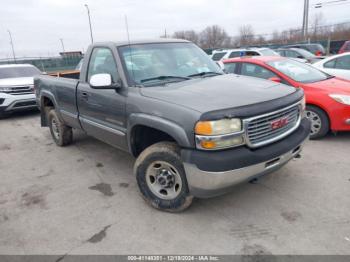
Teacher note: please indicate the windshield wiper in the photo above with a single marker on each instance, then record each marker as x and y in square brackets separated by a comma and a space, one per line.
[205, 74]
[164, 78]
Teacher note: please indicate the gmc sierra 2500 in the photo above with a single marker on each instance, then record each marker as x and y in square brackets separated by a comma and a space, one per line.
[195, 131]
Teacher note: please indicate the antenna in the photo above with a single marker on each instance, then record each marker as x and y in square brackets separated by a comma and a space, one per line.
[127, 32]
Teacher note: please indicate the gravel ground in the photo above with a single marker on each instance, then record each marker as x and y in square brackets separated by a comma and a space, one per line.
[83, 199]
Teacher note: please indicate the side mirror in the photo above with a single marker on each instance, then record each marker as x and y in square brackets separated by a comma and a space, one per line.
[102, 81]
[275, 79]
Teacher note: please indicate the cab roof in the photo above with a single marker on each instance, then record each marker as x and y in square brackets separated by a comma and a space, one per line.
[141, 41]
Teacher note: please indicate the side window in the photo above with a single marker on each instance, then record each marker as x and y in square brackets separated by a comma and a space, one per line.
[218, 56]
[330, 64]
[290, 53]
[251, 53]
[235, 54]
[343, 62]
[102, 62]
[256, 71]
[230, 67]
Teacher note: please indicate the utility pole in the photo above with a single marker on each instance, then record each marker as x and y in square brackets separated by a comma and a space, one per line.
[13, 49]
[305, 20]
[62, 45]
[88, 11]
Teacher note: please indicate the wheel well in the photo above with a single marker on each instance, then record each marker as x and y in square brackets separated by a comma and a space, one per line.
[46, 103]
[143, 136]
[324, 111]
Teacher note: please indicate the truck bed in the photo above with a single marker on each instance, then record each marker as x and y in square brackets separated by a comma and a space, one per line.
[62, 91]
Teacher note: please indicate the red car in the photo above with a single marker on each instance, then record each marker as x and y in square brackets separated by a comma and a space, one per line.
[327, 97]
[345, 47]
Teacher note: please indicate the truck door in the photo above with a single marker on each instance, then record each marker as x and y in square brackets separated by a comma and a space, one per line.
[102, 111]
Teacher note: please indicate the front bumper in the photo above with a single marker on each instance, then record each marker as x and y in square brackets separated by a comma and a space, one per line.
[214, 173]
[11, 103]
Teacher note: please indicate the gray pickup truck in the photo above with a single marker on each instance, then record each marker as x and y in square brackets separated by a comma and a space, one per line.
[195, 131]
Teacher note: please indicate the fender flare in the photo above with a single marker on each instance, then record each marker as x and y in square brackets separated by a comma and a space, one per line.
[49, 95]
[172, 129]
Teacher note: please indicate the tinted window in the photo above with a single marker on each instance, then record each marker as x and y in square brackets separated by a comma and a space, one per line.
[218, 56]
[235, 54]
[343, 62]
[256, 71]
[230, 67]
[102, 62]
[21, 71]
[251, 53]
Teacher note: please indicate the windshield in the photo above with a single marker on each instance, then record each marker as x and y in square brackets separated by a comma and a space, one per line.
[21, 71]
[268, 52]
[177, 61]
[297, 71]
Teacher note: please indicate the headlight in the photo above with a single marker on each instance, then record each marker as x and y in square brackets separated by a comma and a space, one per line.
[224, 133]
[344, 99]
[219, 127]
[4, 88]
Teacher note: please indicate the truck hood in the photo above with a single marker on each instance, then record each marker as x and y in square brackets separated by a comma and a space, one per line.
[18, 81]
[219, 92]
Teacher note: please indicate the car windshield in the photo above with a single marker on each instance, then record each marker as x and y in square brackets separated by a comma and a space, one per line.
[268, 52]
[297, 71]
[165, 62]
[20, 71]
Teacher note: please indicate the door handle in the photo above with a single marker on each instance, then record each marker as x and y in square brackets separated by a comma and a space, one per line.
[85, 95]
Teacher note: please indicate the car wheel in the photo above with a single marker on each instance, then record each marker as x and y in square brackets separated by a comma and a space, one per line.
[161, 177]
[61, 134]
[319, 121]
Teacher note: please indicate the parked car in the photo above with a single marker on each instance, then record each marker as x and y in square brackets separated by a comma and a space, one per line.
[345, 47]
[17, 88]
[316, 49]
[338, 65]
[194, 130]
[298, 54]
[218, 55]
[327, 97]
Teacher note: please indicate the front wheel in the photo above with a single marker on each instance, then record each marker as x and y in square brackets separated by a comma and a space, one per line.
[319, 121]
[161, 177]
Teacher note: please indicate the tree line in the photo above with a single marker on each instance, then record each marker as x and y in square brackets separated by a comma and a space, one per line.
[215, 36]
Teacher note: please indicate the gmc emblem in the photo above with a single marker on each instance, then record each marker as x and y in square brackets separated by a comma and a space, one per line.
[279, 123]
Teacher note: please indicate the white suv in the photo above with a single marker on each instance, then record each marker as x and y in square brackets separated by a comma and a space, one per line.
[17, 87]
[223, 54]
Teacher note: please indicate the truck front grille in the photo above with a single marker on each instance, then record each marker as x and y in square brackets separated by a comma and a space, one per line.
[270, 127]
[20, 90]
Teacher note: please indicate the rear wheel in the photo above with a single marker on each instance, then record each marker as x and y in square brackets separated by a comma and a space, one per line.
[319, 121]
[161, 177]
[61, 134]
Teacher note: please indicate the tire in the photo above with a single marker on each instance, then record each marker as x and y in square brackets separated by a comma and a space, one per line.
[61, 134]
[319, 121]
[168, 189]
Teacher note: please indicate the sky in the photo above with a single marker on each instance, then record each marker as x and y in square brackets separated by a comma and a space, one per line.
[38, 25]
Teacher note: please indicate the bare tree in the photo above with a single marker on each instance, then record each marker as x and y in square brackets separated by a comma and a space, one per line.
[189, 35]
[316, 24]
[246, 35]
[213, 37]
